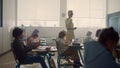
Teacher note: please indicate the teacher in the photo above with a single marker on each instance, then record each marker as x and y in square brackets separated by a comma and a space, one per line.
[70, 26]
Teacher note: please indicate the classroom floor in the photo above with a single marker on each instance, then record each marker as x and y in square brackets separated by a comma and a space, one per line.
[7, 61]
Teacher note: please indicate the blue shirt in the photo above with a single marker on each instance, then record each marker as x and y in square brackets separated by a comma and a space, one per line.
[97, 56]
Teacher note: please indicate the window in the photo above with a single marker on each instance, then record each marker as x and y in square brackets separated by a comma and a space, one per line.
[44, 13]
[88, 13]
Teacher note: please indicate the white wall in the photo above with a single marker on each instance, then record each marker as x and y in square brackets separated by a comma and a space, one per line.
[113, 6]
[8, 22]
[63, 9]
[1, 40]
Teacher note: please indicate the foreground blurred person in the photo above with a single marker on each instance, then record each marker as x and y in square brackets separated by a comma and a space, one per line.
[21, 49]
[98, 54]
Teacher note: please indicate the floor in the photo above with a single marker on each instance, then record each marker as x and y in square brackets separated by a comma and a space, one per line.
[7, 61]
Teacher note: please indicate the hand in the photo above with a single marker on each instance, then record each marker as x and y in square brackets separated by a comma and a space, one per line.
[25, 43]
[68, 42]
[37, 44]
[48, 48]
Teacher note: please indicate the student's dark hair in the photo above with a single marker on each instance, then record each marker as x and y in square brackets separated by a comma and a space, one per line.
[62, 34]
[70, 11]
[98, 32]
[17, 32]
[35, 35]
[36, 31]
[89, 33]
[108, 34]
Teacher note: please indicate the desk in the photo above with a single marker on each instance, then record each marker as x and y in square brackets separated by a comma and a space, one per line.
[45, 50]
[78, 48]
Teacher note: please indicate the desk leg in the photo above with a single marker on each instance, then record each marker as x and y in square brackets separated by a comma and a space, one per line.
[48, 59]
[80, 55]
[51, 62]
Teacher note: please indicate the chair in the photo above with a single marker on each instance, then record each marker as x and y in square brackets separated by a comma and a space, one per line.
[77, 47]
[16, 60]
[61, 57]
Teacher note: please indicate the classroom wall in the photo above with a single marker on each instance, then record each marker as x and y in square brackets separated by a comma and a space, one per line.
[1, 40]
[9, 19]
[113, 6]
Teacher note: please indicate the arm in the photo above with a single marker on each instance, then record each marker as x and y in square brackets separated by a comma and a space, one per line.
[33, 41]
[19, 46]
[67, 43]
[69, 24]
[71, 28]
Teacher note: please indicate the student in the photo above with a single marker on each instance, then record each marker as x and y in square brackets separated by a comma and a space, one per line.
[98, 54]
[98, 33]
[66, 51]
[21, 50]
[88, 37]
[34, 38]
[70, 26]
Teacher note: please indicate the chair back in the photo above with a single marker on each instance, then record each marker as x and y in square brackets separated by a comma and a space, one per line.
[13, 51]
[57, 45]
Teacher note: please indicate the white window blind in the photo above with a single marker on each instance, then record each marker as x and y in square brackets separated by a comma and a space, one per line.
[43, 13]
[88, 13]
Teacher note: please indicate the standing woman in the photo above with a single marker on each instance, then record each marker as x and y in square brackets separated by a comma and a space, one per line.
[70, 27]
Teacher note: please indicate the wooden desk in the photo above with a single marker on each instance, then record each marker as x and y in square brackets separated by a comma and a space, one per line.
[46, 51]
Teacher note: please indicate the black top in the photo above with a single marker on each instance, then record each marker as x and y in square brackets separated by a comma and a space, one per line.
[21, 50]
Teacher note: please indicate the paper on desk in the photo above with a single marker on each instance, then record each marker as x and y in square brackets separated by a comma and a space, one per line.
[43, 47]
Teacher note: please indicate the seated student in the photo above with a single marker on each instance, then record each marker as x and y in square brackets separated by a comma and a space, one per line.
[88, 37]
[98, 33]
[98, 54]
[21, 50]
[66, 51]
[34, 38]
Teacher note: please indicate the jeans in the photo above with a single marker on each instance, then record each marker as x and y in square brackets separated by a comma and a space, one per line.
[35, 58]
